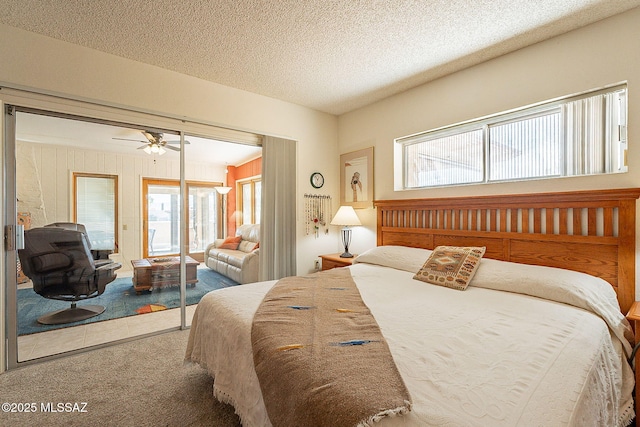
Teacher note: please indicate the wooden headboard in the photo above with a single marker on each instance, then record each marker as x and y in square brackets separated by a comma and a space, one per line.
[589, 231]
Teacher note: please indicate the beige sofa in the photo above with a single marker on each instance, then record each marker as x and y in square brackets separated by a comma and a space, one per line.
[239, 264]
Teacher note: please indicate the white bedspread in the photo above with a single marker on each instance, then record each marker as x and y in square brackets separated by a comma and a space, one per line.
[480, 357]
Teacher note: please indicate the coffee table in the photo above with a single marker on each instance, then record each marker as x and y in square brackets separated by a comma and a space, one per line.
[161, 272]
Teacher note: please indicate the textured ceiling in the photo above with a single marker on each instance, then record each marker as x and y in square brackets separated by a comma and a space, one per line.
[332, 56]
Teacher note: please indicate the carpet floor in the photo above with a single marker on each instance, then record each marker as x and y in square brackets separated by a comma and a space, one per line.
[139, 383]
[119, 299]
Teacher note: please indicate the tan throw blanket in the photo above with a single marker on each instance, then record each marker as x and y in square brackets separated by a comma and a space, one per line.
[320, 356]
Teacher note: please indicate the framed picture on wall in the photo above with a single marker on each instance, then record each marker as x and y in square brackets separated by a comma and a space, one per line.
[356, 178]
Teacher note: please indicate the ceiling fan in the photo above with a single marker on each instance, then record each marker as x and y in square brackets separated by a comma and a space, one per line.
[155, 143]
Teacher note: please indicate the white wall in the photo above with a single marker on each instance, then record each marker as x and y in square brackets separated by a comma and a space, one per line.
[595, 56]
[49, 65]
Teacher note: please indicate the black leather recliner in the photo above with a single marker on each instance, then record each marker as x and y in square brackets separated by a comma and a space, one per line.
[98, 254]
[61, 266]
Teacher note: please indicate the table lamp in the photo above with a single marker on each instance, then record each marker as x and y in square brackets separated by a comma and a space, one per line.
[346, 216]
[223, 191]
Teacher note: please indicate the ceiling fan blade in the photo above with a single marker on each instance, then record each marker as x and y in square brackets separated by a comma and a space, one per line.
[172, 148]
[142, 147]
[128, 139]
[176, 142]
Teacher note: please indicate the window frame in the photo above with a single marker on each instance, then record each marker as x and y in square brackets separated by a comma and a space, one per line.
[77, 175]
[173, 183]
[401, 169]
[240, 199]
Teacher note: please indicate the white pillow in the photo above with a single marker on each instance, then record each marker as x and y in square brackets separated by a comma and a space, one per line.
[247, 246]
[398, 257]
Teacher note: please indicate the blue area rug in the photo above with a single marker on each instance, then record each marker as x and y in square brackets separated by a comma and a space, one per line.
[119, 298]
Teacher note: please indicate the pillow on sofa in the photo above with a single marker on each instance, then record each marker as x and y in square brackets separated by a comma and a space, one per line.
[247, 246]
[231, 243]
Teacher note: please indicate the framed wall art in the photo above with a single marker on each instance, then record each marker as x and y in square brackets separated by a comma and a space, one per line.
[356, 178]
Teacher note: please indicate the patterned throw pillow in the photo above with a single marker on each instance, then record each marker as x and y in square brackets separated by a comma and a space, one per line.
[451, 266]
[231, 243]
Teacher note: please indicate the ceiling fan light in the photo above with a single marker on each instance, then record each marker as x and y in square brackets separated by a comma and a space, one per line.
[161, 151]
[147, 149]
[155, 148]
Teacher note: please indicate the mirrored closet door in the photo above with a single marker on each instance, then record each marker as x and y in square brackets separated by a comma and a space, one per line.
[78, 198]
[117, 221]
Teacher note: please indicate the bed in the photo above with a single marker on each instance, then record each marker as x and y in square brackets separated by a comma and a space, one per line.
[537, 338]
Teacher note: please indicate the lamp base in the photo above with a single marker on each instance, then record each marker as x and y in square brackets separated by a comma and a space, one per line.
[346, 241]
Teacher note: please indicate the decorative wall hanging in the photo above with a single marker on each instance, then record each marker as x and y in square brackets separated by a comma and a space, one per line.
[356, 178]
[317, 212]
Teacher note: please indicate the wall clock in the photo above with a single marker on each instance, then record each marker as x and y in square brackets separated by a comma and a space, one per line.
[317, 180]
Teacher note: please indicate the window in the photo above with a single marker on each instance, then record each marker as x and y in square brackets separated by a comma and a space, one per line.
[249, 202]
[96, 206]
[581, 135]
[161, 217]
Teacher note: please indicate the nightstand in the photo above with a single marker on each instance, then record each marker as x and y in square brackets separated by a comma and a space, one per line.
[633, 316]
[330, 261]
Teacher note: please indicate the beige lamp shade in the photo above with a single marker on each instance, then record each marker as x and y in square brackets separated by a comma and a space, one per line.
[346, 215]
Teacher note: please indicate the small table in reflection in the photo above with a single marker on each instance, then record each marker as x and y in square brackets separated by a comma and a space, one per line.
[160, 272]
